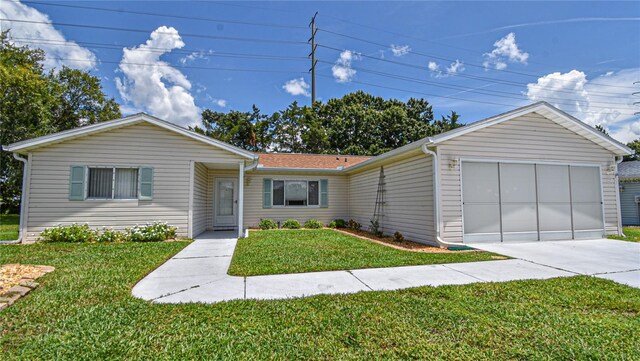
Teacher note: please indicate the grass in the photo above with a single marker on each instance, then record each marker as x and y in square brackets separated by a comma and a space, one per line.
[84, 311]
[632, 234]
[294, 251]
[9, 226]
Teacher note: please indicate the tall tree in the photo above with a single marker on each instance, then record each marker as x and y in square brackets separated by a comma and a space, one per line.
[635, 145]
[34, 103]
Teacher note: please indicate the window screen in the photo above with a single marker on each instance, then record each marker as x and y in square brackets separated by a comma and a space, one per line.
[278, 193]
[100, 183]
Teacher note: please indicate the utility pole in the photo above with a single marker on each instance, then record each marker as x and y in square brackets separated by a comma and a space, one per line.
[312, 40]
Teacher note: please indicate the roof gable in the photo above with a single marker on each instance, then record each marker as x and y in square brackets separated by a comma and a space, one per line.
[26, 145]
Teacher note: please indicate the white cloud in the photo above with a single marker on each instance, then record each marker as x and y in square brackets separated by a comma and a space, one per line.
[605, 100]
[400, 50]
[195, 56]
[453, 69]
[297, 86]
[154, 85]
[220, 102]
[342, 71]
[505, 49]
[58, 49]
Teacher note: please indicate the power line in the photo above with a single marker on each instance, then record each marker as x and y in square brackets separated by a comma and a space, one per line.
[451, 60]
[492, 80]
[466, 89]
[157, 50]
[181, 66]
[435, 95]
[145, 31]
[166, 15]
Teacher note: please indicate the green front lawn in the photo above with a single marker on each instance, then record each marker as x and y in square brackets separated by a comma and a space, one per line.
[84, 311]
[294, 251]
[632, 234]
[9, 224]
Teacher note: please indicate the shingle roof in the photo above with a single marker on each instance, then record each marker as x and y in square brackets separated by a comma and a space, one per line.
[629, 169]
[308, 161]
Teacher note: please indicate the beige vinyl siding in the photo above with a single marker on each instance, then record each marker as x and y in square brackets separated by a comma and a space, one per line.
[628, 205]
[528, 138]
[408, 206]
[200, 196]
[253, 210]
[142, 144]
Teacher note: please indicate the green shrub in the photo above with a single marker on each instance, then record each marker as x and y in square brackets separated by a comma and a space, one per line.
[374, 228]
[354, 225]
[266, 223]
[398, 237]
[313, 224]
[109, 235]
[291, 224]
[151, 232]
[338, 223]
[72, 233]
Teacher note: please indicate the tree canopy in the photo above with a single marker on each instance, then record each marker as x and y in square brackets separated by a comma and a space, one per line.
[357, 124]
[34, 102]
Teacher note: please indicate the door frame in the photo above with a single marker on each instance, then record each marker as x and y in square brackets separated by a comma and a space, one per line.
[530, 161]
[215, 202]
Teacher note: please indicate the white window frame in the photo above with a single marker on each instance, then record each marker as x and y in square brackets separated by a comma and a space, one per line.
[285, 193]
[113, 183]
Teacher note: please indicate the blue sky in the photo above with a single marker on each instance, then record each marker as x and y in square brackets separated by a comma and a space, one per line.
[477, 58]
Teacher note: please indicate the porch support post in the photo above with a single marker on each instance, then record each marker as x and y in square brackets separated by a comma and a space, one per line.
[190, 213]
[241, 201]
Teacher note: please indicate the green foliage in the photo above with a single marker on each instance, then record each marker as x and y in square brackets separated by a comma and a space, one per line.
[358, 124]
[313, 224]
[72, 233]
[266, 223]
[35, 103]
[9, 224]
[635, 145]
[398, 237]
[109, 235]
[374, 228]
[338, 223]
[291, 224]
[82, 233]
[151, 232]
[354, 225]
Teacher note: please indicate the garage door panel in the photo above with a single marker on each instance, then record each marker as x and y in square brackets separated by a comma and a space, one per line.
[480, 182]
[482, 218]
[517, 183]
[519, 218]
[553, 183]
[585, 185]
[555, 217]
[587, 217]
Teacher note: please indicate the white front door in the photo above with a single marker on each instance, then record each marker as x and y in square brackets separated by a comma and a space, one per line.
[225, 202]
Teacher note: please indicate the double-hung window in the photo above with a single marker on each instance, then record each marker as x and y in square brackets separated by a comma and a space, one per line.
[293, 193]
[112, 183]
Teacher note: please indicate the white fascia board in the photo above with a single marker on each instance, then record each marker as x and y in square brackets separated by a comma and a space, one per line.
[296, 170]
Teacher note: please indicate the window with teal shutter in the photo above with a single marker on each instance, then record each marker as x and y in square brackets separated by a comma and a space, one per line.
[146, 183]
[324, 193]
[266, 193]
[76, 183]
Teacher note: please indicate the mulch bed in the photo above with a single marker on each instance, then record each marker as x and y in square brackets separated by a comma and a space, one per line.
[404, 245]
[17, 280]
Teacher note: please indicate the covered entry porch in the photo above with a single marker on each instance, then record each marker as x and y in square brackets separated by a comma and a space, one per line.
[216, 197]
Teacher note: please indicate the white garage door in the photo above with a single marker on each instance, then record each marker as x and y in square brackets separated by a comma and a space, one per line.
[509, 202]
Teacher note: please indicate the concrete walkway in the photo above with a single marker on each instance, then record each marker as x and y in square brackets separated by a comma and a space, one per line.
[198, 273]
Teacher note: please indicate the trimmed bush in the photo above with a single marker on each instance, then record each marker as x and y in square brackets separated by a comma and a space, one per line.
[72, 233]
[291, 224]
[151, 232]
[109, 235]
[313, 224]
[354, 225]
[266, 223]
[398, 237]
[338, 223]
[374, 228]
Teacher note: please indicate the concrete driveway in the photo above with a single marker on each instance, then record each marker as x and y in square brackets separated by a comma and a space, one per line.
[604, 258]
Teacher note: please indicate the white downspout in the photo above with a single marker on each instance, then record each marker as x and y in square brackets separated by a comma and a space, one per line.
[617, 184]
[436, 197]
[22, 199]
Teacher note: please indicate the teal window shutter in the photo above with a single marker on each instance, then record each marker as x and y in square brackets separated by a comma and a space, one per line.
[145, 184]
[324, 193]
[76, 183]
[266, 193]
